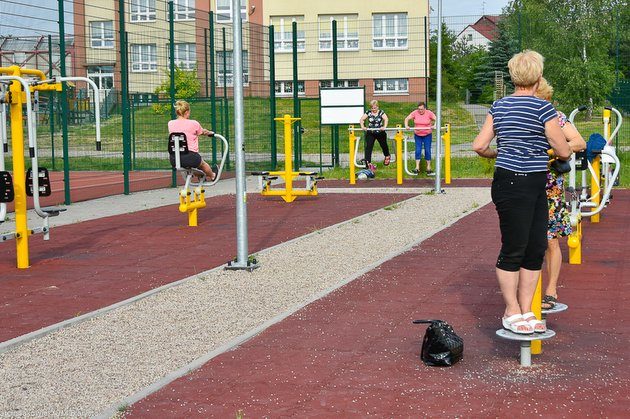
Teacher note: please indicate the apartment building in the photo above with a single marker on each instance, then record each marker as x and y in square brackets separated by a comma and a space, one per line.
[380, 45]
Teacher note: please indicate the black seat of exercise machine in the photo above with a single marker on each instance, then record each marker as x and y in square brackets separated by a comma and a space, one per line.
[259, 173]
[307, 173]
[53, 211]
[183, 143]
[6, 187]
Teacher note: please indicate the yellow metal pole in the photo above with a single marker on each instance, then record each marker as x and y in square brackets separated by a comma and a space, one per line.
[537, 310]
[575, 245]
[351, 140]
[595, 187]
[399, 155]
[447, 154]
[19, 176]
[606, 118]
[288, 159]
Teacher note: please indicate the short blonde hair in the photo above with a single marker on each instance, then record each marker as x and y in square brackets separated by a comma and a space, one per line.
[181, 107]
[526, 68]
[374, 102]
[545, 90]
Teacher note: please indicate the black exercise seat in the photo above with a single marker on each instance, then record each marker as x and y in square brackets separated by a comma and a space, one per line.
[53, 211]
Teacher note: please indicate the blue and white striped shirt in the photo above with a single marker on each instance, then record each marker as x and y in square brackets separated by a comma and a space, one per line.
[519, 124]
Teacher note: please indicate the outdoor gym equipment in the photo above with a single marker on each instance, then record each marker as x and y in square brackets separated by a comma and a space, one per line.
[191, 195]
[35, 182]
[402, 153]
[589, 203]
[288, 193]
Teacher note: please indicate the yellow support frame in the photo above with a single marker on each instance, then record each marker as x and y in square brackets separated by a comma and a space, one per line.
[288, 193]
[18, 99]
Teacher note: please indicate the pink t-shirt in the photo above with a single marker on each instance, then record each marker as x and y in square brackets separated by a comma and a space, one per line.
[190, 127]
[422, 120]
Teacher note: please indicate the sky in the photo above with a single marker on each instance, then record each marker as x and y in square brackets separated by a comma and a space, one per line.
[20, 17]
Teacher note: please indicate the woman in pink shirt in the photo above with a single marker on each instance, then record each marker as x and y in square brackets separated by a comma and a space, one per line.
[424, 120]
[193, 130]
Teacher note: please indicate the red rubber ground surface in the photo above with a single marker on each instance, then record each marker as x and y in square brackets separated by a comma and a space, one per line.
[355, 352]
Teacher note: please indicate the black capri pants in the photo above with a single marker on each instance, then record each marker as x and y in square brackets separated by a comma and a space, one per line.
[370, 137]
[521, 202]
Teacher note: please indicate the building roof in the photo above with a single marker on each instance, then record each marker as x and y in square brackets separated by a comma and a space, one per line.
[486, 25]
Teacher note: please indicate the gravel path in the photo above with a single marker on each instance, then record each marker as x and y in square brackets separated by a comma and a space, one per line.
[96, 366]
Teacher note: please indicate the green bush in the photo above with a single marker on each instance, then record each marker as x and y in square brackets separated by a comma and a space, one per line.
[187, 86]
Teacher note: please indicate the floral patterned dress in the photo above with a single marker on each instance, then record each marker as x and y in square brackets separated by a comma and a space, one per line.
[559, 220]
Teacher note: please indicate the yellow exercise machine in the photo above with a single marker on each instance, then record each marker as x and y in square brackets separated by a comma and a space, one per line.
[288, 193]
[192, 194]
[401, 151]
[35, 182]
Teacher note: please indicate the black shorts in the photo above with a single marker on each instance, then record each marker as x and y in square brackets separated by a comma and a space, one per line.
[188, 160]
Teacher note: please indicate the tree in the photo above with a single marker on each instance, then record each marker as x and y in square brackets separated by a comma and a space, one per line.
[187, 86]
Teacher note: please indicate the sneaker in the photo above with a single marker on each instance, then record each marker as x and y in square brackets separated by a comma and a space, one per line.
[415, 171]
[430, 173]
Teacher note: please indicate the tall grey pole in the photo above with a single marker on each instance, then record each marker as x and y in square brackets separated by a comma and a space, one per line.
[242, 253]
[438, 105]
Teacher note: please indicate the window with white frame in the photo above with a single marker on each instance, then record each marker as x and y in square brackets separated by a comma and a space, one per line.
[283, 33]
[225, 73]
[387, 86]
[224, 10]
[469, 37]
[184, 9]
[102, 34]
[285, 88]
[185, 56]
[389, 31]
[340, 83]
[143, 58]
[142, 10]
[347, 32]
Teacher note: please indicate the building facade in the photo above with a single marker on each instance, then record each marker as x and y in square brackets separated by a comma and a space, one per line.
[380, 45]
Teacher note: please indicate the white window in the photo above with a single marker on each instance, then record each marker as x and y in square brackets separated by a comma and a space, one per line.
[283, 33]
[285, 88]
[143, 58]
[387, 86]
[102, 34]
[142, 10]
[184, 9]
[185, 56]
[347, 32]
[389, 31]
[340, 83]
[224, 10]
[102, 76]
[226, 73]
[469, 37]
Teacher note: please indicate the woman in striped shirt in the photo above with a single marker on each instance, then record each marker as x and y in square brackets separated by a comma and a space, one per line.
[525, 127]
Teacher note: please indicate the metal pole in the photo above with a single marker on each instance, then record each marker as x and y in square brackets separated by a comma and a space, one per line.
[213, 89]
[272, 99]
[124, 91]
[171, 62]
[226, 112]
[438, 104]
[335, 128]
[426, 60]
[239, 141]
[51, 102]
[64, 105]
[296, 105]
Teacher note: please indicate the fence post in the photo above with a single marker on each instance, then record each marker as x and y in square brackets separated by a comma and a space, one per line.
[272, 98]
[124, 91]
[171, 62]
[335, 128]
[64, 104]
[213, 90]
[226, 110]
[296, 106]
[51, 102]
[426, 61]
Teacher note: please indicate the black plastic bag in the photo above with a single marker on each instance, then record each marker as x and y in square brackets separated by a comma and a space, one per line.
[441, 346]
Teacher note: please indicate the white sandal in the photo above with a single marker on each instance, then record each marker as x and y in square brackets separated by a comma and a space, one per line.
[515, 323]
[538, 325]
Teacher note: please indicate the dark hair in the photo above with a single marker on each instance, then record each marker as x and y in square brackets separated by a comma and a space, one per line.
[422, 104]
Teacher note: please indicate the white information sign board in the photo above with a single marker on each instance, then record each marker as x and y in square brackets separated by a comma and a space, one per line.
[341, 105]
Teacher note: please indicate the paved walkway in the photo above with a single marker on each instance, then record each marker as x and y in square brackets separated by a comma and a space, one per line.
[355, 352]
